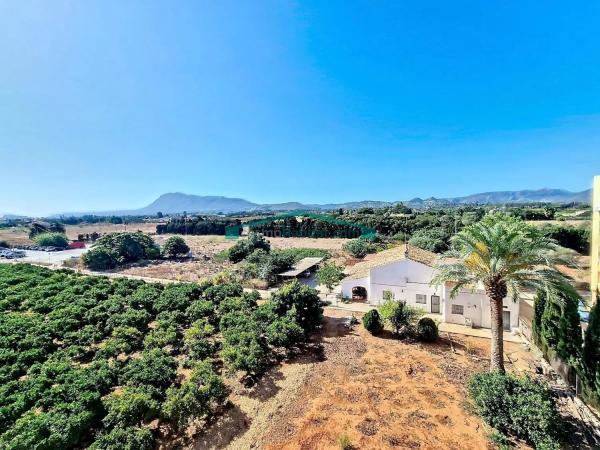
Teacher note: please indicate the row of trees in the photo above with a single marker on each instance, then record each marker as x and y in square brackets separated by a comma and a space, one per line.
[198, 225]
[69, 377]
[307, 227]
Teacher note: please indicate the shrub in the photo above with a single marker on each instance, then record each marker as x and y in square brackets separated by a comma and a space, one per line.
[127, 438]
[400, 316]
[285, 332]
[372, 321]
[165, 334]
[51, 240]
[427, 329]
[517, 406]
[591, 349]
[155, 369]
[3, 244]
[196, 340]
[197, 397]
[359, 248]
[175, 246]
[129, 407]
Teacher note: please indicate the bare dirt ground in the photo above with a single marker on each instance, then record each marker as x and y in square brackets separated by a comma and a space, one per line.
[206, 263]
[379, 392]
[73, 231]
[15, 235]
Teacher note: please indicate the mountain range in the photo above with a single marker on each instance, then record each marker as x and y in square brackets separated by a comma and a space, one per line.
[178, 202]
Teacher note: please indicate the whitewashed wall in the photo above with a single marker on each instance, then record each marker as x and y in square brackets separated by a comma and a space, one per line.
[476, 306]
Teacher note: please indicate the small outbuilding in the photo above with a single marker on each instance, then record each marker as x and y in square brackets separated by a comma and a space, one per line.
[302, 269]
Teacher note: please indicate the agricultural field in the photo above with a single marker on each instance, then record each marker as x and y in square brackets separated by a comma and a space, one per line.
[111, 364]
[73, 231]
[209, 260]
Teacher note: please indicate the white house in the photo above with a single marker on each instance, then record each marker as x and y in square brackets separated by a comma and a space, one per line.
[406, 273]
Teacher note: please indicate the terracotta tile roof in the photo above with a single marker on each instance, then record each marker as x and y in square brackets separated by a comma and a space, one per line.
[361, 269]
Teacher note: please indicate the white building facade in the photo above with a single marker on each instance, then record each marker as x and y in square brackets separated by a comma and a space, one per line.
[409, 280]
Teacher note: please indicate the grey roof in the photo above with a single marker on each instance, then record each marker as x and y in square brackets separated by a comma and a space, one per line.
[301, 266]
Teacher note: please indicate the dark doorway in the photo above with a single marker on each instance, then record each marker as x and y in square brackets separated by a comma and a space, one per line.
[359, 294]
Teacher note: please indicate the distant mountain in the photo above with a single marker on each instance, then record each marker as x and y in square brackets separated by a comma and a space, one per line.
[177, 202]
[6, 216]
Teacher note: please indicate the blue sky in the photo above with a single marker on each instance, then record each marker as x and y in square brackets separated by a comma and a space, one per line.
[108, 104]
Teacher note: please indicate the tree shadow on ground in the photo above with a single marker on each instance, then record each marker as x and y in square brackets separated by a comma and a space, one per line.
[266, 386]
[231, 424]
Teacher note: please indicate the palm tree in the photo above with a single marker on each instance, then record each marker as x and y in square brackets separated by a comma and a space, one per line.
[506, 256]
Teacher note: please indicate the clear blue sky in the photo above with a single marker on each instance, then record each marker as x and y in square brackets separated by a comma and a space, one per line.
[108, 104]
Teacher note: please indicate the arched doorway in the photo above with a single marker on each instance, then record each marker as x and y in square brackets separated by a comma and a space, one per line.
[359, 294]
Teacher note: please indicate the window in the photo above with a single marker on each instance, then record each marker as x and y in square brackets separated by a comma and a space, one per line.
[388, 295]
[422, 299]
[458, 309]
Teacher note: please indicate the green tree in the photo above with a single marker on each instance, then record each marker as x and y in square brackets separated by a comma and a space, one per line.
[304, 299]
[128, 407]
[126, 438]
[329, 275]
[433, 239]
[175, 246]
[99, 258]
[505, 255]
[591, 347]
[197, 397]
[51, 240]
[359, 248]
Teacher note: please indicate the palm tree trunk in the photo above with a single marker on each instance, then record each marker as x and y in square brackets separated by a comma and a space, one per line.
[497, 354]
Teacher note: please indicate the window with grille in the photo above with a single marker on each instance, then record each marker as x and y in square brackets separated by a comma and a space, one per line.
[422, 299]
[458, 309]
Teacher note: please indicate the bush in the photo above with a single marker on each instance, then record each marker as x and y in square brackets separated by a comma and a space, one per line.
[427, 330]
[359, 248]
[285, 332]
[3, 244]
[197, 340]
[197, 397]
[372, 321]
[155, 369]
[51, 240]
[128, 438]
[517, 406]
[129, 407]
[400, 316]
[175, 246]
[99, 258]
